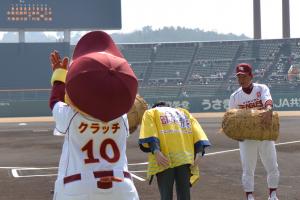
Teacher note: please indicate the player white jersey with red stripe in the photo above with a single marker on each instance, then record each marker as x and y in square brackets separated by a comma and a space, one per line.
[93, 163]
[259, 98]
[95, 145]
[90, 145]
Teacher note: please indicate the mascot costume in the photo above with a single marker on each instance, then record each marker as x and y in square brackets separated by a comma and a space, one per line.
[89, 100]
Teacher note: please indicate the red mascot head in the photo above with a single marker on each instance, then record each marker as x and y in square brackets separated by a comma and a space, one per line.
[100, 82]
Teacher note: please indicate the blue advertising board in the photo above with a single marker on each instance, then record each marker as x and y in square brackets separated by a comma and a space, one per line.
[25, 107]
[216, 103]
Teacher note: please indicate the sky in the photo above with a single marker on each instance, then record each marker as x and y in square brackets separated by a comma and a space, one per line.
[222, 16]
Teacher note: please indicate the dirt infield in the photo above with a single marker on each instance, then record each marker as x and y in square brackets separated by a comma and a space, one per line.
[29, 155]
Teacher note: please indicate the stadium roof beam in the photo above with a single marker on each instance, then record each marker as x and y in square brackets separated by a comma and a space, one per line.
[21, 33]
[67, 35]
[256, 20]
[286, 19]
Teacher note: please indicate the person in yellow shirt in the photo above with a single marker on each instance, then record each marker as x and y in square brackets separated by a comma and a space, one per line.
[174, 140]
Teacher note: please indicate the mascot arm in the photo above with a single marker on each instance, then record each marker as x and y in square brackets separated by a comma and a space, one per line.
[59, 68]
[57, 93]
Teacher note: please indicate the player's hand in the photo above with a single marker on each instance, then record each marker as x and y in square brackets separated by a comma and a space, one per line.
[161, 159]
[267, 118]
[197, 159]
[56, 61]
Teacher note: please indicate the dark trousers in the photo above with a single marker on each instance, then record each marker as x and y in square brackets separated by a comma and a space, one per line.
[165, 180]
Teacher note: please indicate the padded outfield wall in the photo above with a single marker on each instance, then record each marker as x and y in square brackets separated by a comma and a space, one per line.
[32, 108]
[220, 103]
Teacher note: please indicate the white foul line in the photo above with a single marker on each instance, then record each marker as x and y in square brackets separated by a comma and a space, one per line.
[16, 174]
[14, 170]
[38, 168]
[143, 163]
[233, 150]
[137, 177]
[283, 143]
[221, 152]
[139, 171]
[28, 168]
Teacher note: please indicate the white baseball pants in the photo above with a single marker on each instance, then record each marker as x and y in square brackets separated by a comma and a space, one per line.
[249, 149]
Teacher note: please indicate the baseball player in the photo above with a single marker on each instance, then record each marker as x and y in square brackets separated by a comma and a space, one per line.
[85, 101]
[255, 96]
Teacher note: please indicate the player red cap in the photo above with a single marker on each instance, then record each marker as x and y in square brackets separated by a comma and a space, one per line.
[100, 82]
[244, 68]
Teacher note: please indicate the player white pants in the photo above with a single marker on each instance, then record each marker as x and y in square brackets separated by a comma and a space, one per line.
[86, 189]
[249, 149]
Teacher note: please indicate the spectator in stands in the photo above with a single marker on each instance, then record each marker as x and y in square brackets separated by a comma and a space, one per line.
[174, 140]
[141, 75]
[184, 93]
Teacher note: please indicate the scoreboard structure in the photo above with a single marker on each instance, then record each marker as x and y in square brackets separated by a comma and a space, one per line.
[17, 83]
[60, 14]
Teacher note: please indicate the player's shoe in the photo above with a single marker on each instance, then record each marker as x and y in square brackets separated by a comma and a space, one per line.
[250, 197]
[273, 196]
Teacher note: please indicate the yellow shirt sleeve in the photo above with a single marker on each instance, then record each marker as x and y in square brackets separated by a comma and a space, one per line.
[148, 127]
[197, 130]
[148, 131]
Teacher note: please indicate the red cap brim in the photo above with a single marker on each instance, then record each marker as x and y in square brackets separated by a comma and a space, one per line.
[245, 73]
